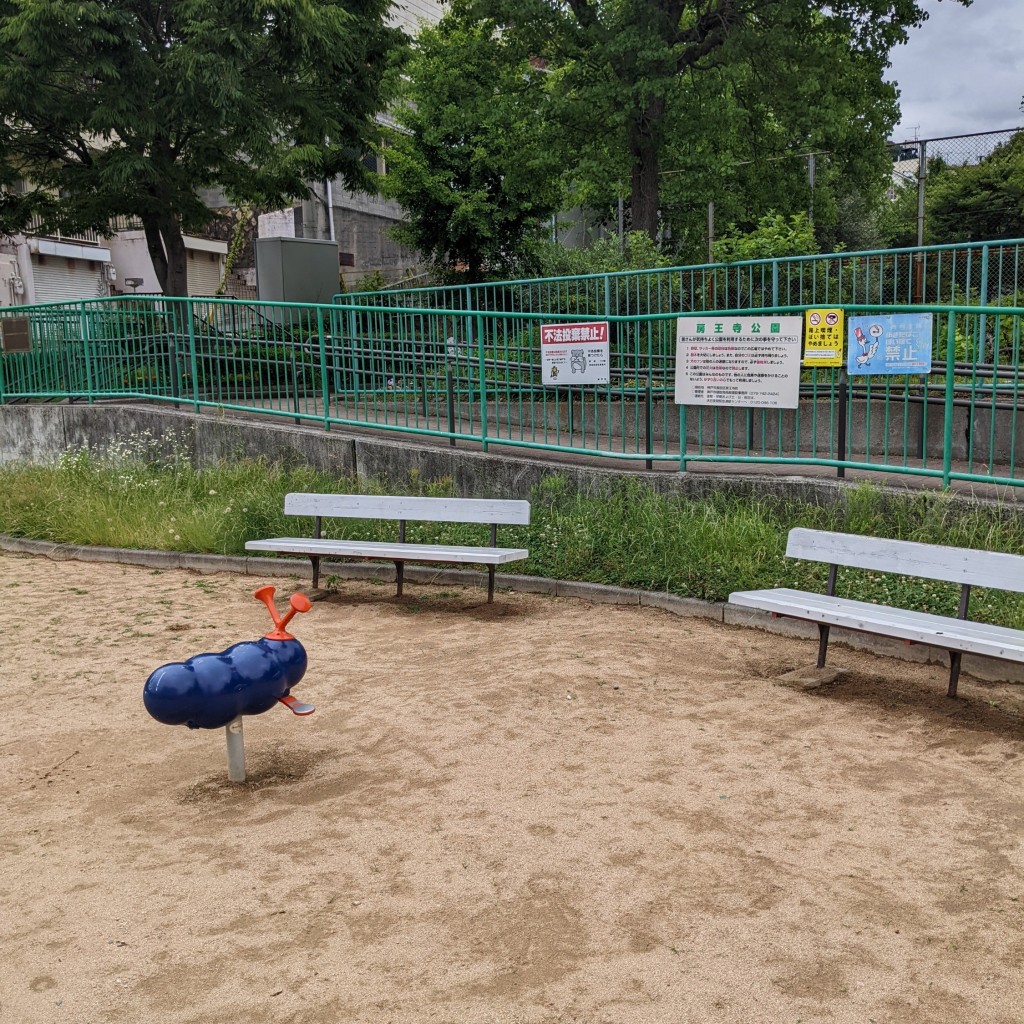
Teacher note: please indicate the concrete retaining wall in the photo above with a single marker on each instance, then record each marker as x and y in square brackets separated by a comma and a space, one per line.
[41, 433]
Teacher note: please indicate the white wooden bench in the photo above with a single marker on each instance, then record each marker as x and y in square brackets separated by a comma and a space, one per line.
[968, 567]
[437, 510]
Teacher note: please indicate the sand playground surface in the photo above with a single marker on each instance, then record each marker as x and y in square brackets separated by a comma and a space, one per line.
[543, 811]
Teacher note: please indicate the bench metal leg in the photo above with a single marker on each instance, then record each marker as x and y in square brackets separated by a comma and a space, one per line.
[822, 643]
[400, 575]
[490, 584]
[315, 559]
[955, 657]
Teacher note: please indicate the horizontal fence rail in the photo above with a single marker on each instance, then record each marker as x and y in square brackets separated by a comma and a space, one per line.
[977, 273]
[474, 376]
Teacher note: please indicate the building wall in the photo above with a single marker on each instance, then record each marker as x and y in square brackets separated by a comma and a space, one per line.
[411, 15]
[360, 220]
[366, 247]
[13, 289]
[130, 255]
[362, 225]
[34, 269]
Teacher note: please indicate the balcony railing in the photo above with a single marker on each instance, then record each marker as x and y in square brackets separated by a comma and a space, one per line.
[86, 237]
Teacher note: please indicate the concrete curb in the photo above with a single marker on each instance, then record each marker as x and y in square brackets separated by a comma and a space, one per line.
[987, 669]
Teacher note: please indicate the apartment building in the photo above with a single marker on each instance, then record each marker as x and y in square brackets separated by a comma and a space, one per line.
[53, 267]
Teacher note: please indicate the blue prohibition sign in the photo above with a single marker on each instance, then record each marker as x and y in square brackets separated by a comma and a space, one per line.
[893, 344]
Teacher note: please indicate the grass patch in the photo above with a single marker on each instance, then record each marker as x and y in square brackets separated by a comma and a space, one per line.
[144, 492]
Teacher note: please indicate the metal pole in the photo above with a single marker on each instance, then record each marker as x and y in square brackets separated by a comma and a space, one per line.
[947, 427]
[810, 181]
[325, 382]
[86, 352]
[482, 372]
[295, 386]
[682, 439]
[922, 173]
[648, 421]
[193, 361]
[981, 347]
[841, 439]
[236, 750]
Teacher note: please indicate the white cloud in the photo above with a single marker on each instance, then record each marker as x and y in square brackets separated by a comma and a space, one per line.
[961, 71]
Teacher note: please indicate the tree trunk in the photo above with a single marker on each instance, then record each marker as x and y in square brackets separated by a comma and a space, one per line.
[643, 150]
[155, 246]
[177, 258]
[166, 247]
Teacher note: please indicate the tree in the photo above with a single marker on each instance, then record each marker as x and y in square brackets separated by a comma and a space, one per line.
[979, 201]
[635, 73]
[782, 104]
[128, 107]
[473, 158]
[774, 236]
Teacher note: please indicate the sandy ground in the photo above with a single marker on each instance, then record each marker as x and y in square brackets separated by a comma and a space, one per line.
[541, 811]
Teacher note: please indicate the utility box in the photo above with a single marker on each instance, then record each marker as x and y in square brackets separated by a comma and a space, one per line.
[296, 270]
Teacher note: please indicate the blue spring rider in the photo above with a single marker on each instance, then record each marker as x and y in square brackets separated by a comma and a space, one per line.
[213, 690]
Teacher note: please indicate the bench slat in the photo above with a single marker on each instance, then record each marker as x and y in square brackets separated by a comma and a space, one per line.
[325, 548]
[440, 510]
[928, 561]
[899, 623]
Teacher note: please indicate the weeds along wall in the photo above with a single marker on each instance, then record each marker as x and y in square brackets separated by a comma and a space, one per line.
[41, 434]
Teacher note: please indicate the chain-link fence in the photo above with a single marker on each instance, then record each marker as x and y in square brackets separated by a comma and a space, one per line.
[945, 190]
[958, 188]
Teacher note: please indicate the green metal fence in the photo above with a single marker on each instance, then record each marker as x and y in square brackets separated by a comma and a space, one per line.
[962, 274]
[474, 378]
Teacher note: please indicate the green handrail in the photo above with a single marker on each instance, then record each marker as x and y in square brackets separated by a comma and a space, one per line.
[473, 376]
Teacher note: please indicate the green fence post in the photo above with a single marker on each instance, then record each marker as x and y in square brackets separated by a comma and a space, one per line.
[176, 339]
[983, 301]
[682, 439]
[842, 420]
[86, 350]
[324, 382]
[482, 371]
[193, 360]
[357, 363]
[947, 432]
[775, 282]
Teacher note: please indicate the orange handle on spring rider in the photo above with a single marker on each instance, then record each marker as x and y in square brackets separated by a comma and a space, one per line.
[298, 602]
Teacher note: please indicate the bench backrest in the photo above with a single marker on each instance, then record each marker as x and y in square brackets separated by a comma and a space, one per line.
[437, 510]
[910, 558]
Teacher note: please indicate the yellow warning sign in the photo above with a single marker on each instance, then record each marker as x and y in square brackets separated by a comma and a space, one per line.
[823, 337]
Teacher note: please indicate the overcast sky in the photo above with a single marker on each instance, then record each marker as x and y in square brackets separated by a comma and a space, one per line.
[962, 71]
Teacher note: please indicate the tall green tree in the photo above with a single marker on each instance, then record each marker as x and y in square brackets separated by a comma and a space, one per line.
[475, 158]
[639, 76]
[128, 107]
[979, 201]
[792, 120]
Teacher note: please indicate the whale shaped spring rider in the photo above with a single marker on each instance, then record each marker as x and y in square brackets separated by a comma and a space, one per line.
[210, 690]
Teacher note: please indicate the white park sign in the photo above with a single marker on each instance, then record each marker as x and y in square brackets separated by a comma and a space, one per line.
[748, 362]
[574, 354]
